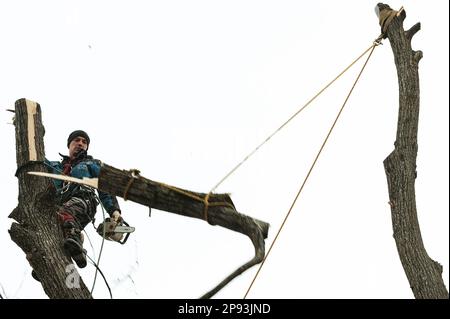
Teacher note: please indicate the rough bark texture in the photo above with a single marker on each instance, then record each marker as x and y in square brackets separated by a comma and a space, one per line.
[36, 230]
[423, 273]
[187, 203]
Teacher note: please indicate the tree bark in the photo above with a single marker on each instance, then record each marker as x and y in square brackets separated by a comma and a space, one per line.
[220, 209]
[37, 231]
[423, 273]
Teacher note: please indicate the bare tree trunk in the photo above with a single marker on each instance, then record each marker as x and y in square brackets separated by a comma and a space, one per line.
[423, 273]
[37, 232]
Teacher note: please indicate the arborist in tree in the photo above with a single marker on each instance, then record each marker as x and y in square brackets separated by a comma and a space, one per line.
[78, 203]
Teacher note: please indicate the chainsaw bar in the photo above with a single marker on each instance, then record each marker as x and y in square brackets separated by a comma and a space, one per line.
[124, 229]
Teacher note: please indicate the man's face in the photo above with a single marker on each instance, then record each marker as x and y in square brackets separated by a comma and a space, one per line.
[79, 143]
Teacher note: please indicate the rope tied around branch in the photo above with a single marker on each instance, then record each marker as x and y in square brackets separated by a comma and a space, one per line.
[204, 200]
[205, 211]
[134, 174]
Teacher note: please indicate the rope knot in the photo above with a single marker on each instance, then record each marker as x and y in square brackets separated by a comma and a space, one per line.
[378, 40]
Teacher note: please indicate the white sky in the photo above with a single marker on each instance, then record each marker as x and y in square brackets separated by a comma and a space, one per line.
[183, 90]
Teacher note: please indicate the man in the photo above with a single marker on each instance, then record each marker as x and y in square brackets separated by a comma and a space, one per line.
[79, 202]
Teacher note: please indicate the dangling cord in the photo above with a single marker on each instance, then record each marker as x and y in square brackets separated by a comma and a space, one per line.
[90, 242]
[100, 253]
[101, 273]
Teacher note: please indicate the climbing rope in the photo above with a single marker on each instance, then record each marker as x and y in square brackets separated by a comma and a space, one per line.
[135, 174]
[289, 120]
[101, 273]
[205, 200]
[372, 48]
[97, 264]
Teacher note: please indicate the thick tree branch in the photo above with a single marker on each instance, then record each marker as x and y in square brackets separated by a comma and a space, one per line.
[423, 273]
[220, 210]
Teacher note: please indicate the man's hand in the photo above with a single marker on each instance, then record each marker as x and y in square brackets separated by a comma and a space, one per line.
[118, 219]
[116, 216]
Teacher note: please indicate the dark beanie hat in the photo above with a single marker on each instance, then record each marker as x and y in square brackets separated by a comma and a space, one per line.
[77, 133]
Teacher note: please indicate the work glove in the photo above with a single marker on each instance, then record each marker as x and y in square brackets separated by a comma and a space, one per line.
[118, 219]
[116, 216]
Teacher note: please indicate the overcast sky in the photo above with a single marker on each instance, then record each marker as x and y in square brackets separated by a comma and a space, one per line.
[183, 90]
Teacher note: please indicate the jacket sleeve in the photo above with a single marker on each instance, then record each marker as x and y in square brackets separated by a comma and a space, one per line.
[108, 201]
[54, 167]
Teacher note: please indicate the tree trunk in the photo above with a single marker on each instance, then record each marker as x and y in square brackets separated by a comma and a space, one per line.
[37, 231]
[423, 273]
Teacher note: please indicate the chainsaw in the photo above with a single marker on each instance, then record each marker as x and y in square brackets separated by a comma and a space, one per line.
[112, 230]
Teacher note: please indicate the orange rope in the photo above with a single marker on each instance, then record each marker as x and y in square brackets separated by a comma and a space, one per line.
[310, 170]
[289, 120]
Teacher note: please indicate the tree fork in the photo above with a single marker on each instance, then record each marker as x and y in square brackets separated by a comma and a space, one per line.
[423, 273]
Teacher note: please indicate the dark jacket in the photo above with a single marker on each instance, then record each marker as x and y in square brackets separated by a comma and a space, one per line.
[82, 166]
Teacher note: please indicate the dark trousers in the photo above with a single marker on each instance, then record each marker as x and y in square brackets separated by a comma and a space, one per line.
[79, 210]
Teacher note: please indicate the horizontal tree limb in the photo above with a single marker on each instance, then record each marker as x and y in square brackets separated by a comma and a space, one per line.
[217, 210]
